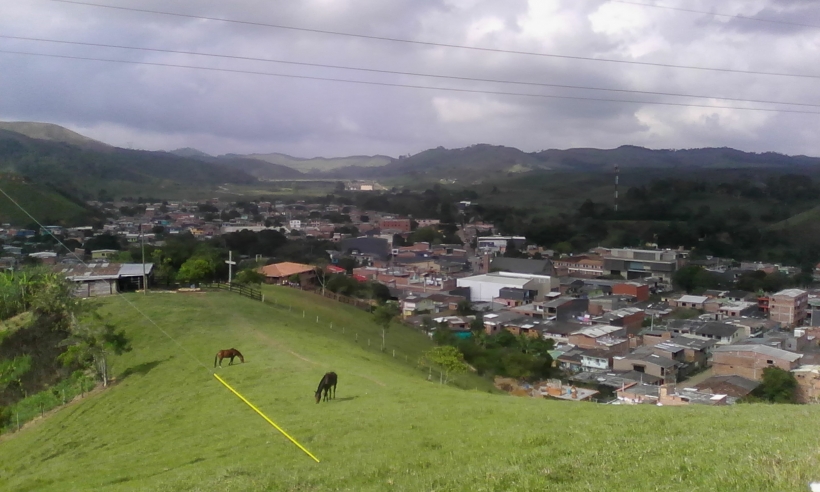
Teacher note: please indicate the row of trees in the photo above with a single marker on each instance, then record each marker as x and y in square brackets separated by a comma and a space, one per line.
[696, 279]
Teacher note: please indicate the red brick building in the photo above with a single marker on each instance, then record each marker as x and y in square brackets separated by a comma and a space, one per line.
[750, 360]
[639, 291]
[402, 225]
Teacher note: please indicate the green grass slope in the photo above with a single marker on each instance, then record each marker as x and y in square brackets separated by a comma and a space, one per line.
[806, 218]
[43, 202]
[168, 425]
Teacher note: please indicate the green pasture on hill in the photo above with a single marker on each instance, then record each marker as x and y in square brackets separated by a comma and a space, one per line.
[168, 425]
[47, 205]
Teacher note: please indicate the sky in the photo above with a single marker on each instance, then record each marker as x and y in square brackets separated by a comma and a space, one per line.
[221, 111]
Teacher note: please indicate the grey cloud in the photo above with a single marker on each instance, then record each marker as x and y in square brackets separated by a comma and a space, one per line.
[220, 112]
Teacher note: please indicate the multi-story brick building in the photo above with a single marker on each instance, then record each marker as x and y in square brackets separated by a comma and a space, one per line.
[639, 291]
[788, 307]
[580, 266]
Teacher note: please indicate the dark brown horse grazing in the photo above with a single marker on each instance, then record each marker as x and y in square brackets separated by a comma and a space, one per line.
[224, 354]
[328, 381]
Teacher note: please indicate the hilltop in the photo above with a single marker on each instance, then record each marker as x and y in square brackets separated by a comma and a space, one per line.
[168, 425]
[52, 133]
[88, 172]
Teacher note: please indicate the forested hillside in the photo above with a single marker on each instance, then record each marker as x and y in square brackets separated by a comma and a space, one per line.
[86, 171]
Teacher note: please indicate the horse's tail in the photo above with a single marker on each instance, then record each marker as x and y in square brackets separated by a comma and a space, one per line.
[216, 357]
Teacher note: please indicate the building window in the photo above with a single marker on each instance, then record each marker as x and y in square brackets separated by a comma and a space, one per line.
[770, 362]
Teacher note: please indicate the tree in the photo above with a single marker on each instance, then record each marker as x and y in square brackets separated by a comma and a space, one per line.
[686, 277]
[380, 292]
[123, 257]
[512, 251]
[464, 308]
[194, 270]
[91, 342]
[427, 324]
[447, 359]
[383, 315]
[249, 276]
[103, 241]
[778, 386]
[322, 276]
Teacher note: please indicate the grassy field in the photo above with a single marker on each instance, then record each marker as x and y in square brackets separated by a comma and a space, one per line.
[168, 425]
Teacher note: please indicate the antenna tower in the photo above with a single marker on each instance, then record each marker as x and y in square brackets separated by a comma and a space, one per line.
[617, 176]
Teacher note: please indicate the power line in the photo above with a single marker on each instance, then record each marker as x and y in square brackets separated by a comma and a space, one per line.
[440, 45]
[414, 74]
[409, 86]
[729, 16]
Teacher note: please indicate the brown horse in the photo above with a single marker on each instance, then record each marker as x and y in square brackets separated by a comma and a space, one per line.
[224, 354]
[328, 381]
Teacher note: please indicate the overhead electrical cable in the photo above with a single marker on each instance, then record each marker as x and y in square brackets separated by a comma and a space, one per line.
[414, 74]
[440, 45]
[728, 16]
[409, 86]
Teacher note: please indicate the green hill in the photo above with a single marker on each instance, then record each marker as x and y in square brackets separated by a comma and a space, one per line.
[169, 425]
[53, 133]
[86, 171]
[489, 162]
[45, 203]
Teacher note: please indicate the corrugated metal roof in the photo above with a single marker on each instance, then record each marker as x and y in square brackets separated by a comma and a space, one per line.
[134, 269]
[761, 349]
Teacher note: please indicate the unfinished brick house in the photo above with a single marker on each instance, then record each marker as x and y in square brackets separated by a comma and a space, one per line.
[750, 360]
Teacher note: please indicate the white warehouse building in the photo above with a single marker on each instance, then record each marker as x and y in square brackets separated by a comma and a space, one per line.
[483, 288]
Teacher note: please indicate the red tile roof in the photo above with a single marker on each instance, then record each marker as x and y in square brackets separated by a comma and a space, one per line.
[285, 269]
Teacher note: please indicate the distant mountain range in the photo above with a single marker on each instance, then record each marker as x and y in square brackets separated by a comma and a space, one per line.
[50, 154]
[484, 162]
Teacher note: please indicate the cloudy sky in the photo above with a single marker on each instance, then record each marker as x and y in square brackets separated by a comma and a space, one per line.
[220, 111]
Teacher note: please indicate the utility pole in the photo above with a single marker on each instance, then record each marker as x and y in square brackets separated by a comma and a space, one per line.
[230, 263]
[144, 276]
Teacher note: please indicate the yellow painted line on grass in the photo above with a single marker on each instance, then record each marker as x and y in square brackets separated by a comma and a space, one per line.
[271, 422]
